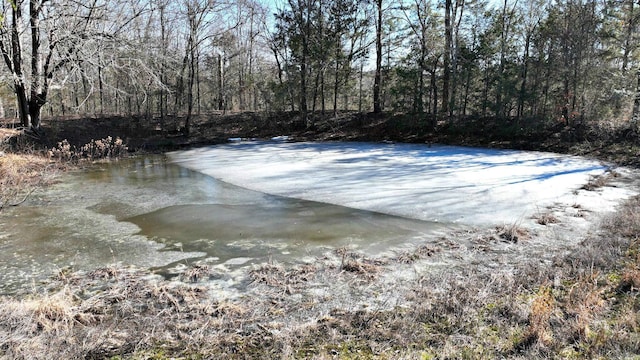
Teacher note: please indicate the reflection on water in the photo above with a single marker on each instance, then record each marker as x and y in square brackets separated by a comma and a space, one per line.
[149, 213]
[288, 227]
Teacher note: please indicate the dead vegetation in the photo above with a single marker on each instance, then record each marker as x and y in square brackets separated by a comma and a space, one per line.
[277, 276]
[422, 251]
[512, 233]
[22, 168]
[599, 181]
[20, 175]
[107, 148]
[546, 219]
[353, 262]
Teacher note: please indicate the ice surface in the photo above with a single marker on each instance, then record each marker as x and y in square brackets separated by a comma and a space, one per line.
[436, 183]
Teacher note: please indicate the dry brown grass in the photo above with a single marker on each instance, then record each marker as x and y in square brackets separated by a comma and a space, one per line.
[6, 134]
[196, 273]
[542, 307]
[512, 233]
[286, 280]
[599, 181]
[546, 219]
[21, 174]
[23, 168]
[630, 278]
[353, 262]
[423, 251]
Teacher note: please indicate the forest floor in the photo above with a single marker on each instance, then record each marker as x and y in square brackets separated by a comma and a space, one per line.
[579, 303]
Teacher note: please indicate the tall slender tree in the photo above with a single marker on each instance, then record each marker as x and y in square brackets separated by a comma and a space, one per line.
[446, 76]
[377, 82]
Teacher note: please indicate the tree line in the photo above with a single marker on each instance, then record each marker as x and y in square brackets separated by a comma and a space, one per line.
[539, 60]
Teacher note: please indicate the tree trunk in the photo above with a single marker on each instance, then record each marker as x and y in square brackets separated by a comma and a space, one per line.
[198, 91]
[35, 110]
[631, 20]
[360, 93]
[101, 89]
[163, 68]
[635, 118]
[220, 83]
[434, 90]
[323, 103]
[192, 75]
[305, 22]
[336, 85]
[525, 69]
[420, 99]
[377, 106]
[447, 57]
[117, 97]
[501, 65]
[456, 76]
[13, 60]
[314, 97]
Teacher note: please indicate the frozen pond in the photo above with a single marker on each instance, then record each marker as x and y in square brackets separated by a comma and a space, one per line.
[431, 183]
[234, 205]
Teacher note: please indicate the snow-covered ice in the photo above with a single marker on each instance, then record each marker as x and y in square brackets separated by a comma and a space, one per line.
[450, 184]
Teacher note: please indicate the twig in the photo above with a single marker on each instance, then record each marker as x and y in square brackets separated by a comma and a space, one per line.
[23, 199]
[4, 205]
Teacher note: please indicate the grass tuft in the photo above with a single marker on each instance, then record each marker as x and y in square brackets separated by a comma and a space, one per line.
[512, 233]
[599, 181]
[546, 219]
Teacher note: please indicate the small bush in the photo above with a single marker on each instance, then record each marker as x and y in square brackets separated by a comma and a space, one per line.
[63, 151]
[94, 150]
[105, 148]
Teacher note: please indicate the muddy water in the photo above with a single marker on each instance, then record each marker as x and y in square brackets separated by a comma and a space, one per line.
[149, 213]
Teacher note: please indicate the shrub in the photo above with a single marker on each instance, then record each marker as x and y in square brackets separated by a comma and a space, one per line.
[94, 150]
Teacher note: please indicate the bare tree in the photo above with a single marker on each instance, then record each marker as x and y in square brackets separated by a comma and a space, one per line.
[62, 38]
[31, 69]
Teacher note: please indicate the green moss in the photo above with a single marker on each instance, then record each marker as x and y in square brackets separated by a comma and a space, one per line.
[428, 355]
[614, 277]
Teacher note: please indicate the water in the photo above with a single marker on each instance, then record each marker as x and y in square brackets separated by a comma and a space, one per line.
[150, 213]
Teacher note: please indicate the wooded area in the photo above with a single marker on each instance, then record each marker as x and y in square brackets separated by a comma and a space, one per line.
[537, 60]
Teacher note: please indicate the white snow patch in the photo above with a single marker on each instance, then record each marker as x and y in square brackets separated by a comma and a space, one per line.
[472, 186]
